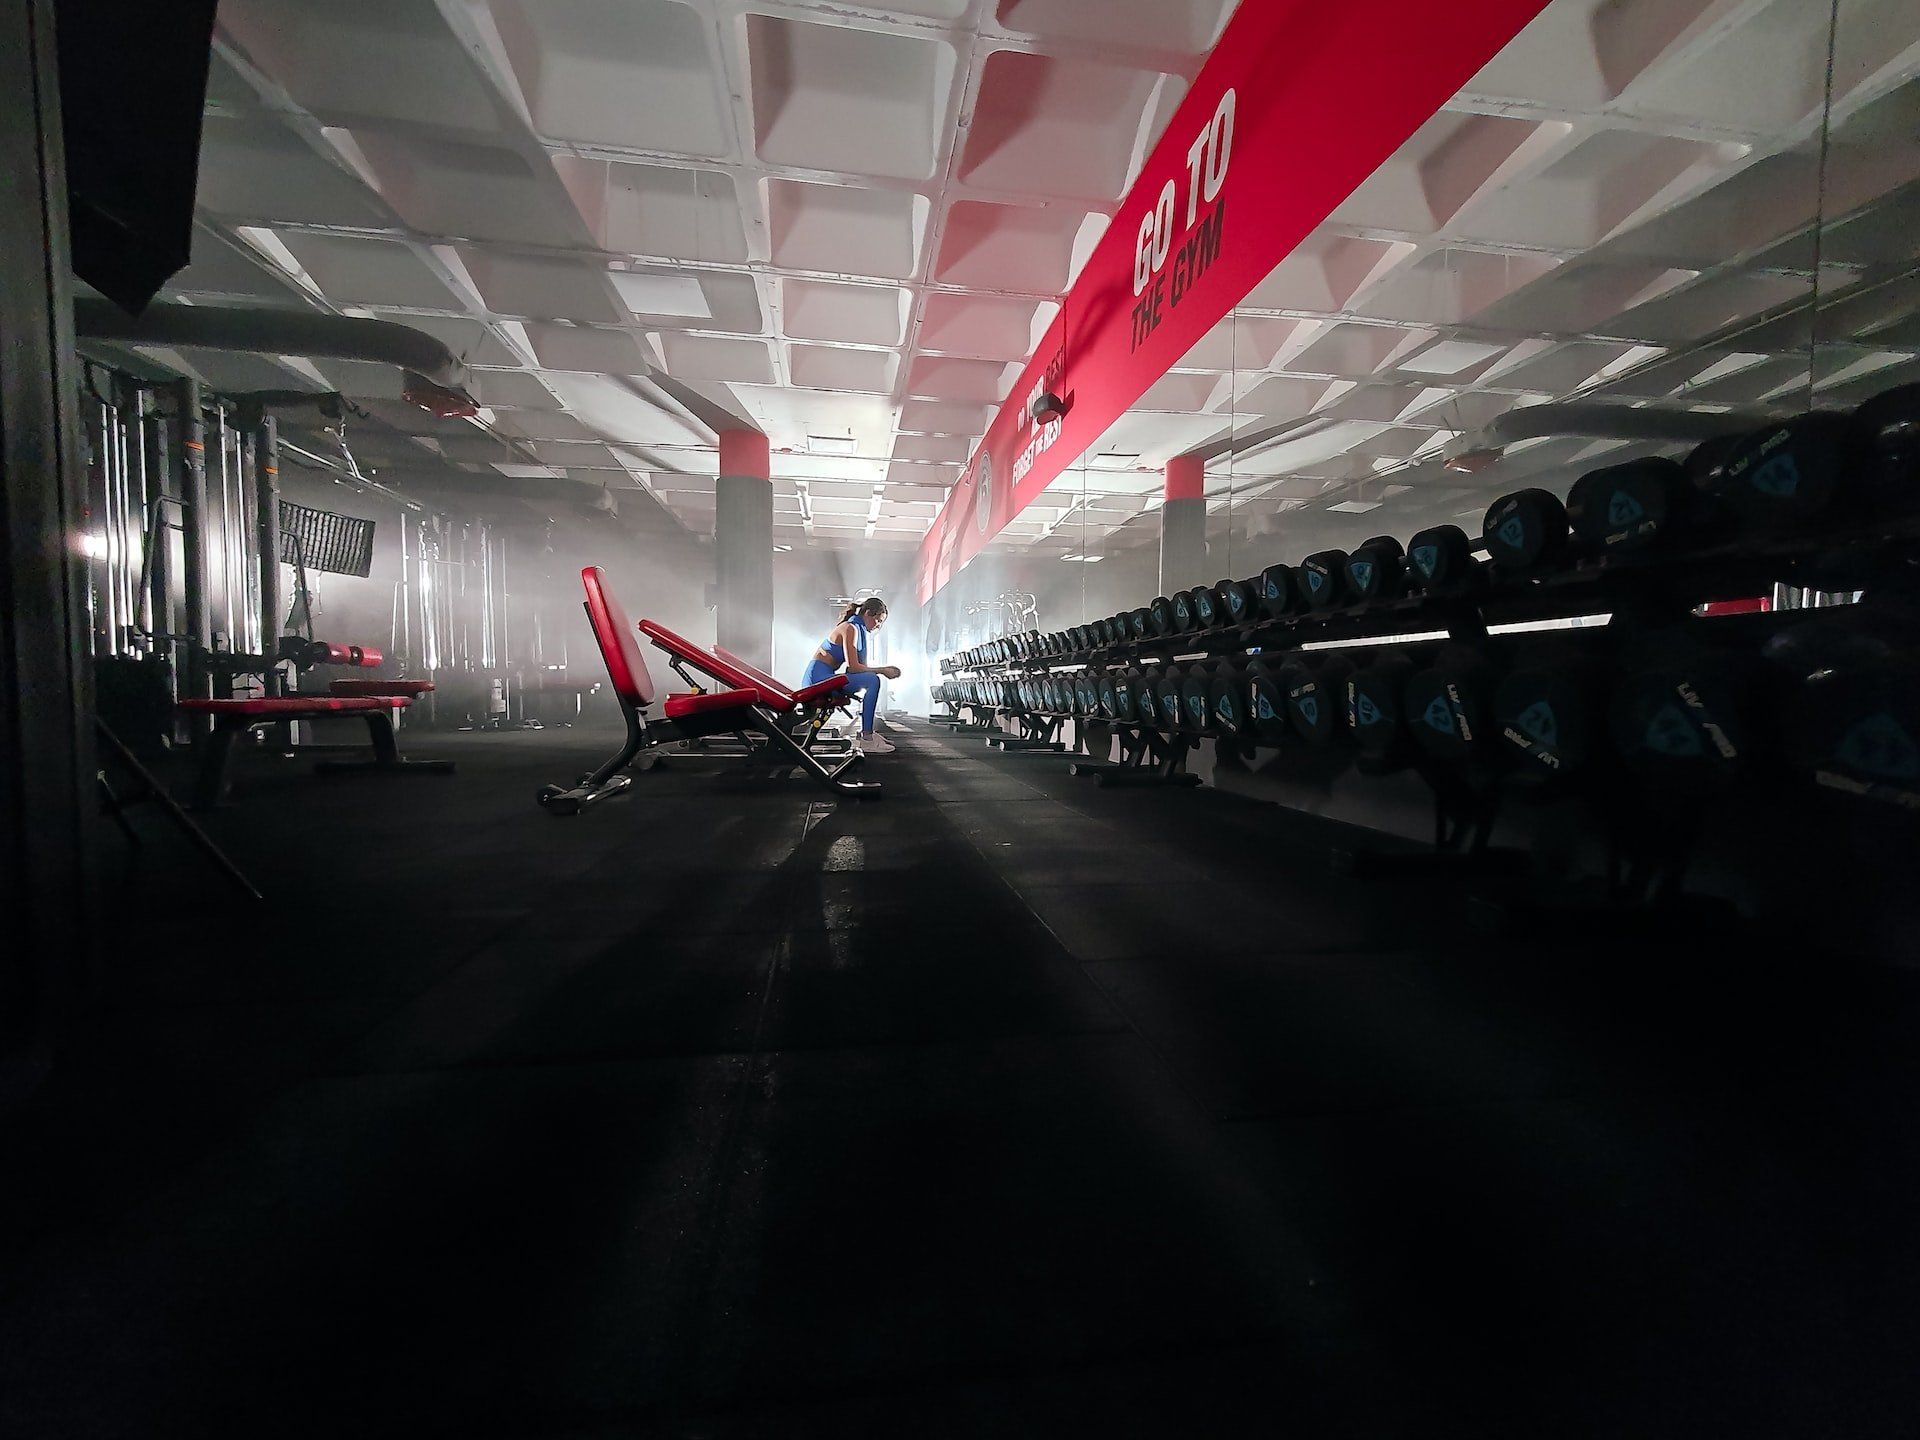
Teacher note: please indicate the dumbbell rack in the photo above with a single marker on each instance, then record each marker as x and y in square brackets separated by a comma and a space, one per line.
[1661, 587]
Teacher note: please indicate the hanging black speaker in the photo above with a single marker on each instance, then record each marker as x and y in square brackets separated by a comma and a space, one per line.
[133, 85]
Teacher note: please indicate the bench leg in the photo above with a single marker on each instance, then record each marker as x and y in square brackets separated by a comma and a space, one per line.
[809, 762]
[607, 781]
[386, 754]
[216, 766]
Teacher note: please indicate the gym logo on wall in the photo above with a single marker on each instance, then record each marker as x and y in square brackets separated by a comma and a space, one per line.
[983, 493]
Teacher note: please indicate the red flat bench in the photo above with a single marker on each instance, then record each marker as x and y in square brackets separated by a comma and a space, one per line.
[234, 718]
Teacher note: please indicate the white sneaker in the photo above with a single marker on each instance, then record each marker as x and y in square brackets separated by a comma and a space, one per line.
[875, 744]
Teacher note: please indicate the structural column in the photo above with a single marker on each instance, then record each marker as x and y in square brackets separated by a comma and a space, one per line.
[47, 774]
[1183, 526]
[743, 547]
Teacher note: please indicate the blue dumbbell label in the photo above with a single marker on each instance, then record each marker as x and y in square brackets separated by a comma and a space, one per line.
[1426, 559]
[1365, 712]
[1779, 477]
[1670, 732]
[1540, 724]
[1512, 532]
[1439, 715]
[1880, 746]
[1362, 571]
[1309, 707]
[1623, 510]
[1315, 580]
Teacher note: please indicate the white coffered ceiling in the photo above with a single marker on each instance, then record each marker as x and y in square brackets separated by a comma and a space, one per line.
[852, 221]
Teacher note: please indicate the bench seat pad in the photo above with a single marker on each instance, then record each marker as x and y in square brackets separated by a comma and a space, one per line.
[679, 705]
[832, 685]
[410, 688]
[292, 707]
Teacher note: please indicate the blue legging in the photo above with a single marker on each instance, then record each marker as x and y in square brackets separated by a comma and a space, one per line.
[866, 685]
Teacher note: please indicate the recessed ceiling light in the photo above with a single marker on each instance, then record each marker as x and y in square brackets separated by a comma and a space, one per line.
[832, 445]
[1450, 357]
[781, 549]
[1353, 507]
[647, 294]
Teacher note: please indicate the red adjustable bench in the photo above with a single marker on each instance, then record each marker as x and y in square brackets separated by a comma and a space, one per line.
[234, 718]
[742, 709]
[818, 701]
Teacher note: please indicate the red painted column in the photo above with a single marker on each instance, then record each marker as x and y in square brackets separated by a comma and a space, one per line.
[743, 547]
[1183, 525]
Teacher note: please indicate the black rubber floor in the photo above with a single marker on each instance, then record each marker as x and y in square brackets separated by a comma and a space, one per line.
[1007, 1105]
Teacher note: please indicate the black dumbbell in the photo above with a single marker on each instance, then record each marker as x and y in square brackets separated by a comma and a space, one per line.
[1146, 698]
[1440, 561]
[1449, 702]
[1316, 696]
[1267, 700]
[1196, 698]
[1549, 713]
[1107, 689]
[1682, 712]
[1323, 579]
[1088, 698]
[1167, 702]
[1183, 618]
[1525, 531]
[1140, 623]
[1227, 696]
[1860, 730]
[1123, 697]
[1163, 617]
[1848, 688]
[1241, 598]
[1279, 591]
[1374, 704]
[1636, 505]
[1222, 613]
[1377, 570]
[1889, 424]
[1206, 608]
[1791, 472]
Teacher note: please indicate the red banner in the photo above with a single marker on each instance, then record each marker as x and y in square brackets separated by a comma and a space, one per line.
[1300, 101]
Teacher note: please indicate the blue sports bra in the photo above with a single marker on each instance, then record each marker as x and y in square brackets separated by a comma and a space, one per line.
[832, 647]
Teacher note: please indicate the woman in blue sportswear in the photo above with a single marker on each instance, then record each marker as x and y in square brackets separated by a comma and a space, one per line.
[847, 646]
